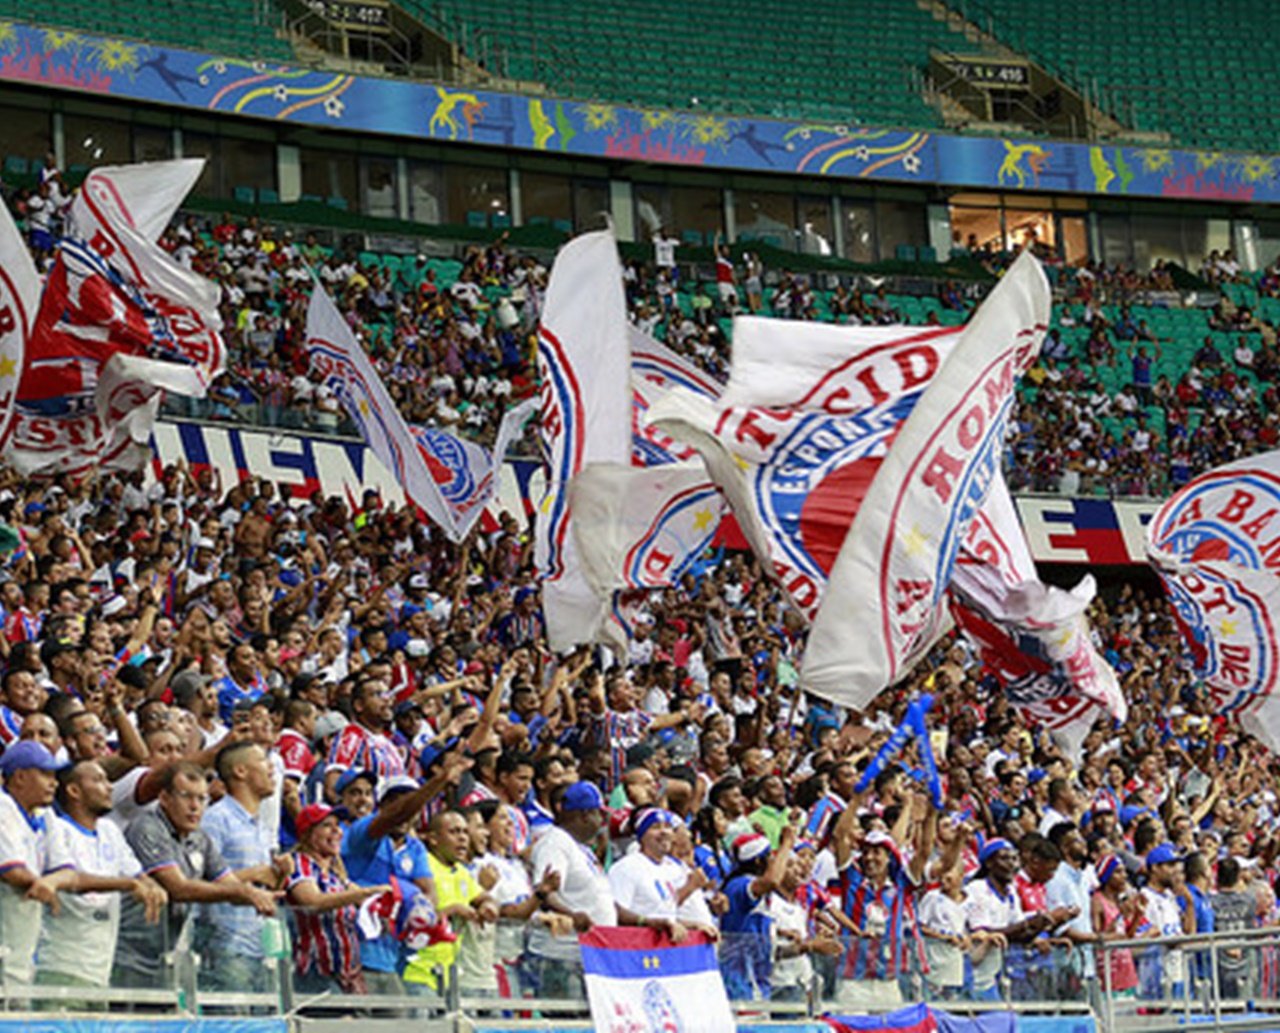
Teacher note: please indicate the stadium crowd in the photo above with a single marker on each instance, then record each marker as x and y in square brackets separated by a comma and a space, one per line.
[454, 342]
[224, 712]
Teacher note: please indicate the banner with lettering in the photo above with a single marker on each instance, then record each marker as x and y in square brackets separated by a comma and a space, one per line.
[1216, 546]
[896, 561]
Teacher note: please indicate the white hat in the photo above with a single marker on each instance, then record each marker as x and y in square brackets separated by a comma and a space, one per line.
[204, 542]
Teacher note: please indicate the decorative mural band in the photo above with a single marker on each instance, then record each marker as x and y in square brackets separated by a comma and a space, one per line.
[265, 90]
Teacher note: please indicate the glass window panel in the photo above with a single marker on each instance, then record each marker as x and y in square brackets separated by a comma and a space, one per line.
[1075, 240]
[900, 222]
[697, 210]
[976, 229]
[1023, 228]
[152, 143]
[545, 196]
[1156, 238]
[590, 203]
[426, 193]
[816, 234]
[379, 188]
[328, 175]
[248, 163]
[202, 145]
[859, 232]
[1113, 230]
[765, 217]
[96, 141]
[653, 208]
[474, 190]
[27, 133]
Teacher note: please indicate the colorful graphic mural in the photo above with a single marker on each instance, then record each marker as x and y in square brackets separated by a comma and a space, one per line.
[138, 71]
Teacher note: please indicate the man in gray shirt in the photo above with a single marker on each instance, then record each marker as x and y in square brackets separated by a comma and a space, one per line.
[173, 849]
[1234, 910]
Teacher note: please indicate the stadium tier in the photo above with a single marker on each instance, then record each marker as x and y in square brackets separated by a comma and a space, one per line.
[233, 28]
[827, 61]
[1189, 68]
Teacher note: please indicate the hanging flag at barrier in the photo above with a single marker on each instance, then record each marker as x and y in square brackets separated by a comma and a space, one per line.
[1216, 546]
[896, 562]
[586, 401]
[637, 979]
[119, 322]
[338, 359]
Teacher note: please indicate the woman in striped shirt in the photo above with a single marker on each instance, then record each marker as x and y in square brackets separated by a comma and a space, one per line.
[327, 944]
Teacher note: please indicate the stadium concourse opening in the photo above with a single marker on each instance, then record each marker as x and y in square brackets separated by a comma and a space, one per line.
[597, 517]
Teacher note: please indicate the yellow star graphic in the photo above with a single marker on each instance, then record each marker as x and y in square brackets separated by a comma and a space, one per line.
[1065, 637]
[7, 366]
[915, 541]
[702, 519]
[1227, 627]
[364, 407]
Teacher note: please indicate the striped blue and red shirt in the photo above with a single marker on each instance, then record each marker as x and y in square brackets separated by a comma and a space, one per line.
[882, 951]
[327, 942]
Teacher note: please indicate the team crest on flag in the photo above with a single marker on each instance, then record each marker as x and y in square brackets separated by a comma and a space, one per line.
[895, 564]
[19, 297]
[1216, 546]
[639, 982]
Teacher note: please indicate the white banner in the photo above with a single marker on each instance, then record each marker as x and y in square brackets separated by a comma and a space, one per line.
[341, 362]
[883, 608]
[584, 372]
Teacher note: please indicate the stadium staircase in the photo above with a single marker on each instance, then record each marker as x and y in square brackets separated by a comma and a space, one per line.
[1197, 70]
[828, 60]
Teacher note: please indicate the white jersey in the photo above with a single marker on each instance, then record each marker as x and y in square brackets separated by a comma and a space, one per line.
[80, 940]
[583, 887]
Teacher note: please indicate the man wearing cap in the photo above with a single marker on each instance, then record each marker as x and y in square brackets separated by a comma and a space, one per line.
[78, 943]
[194, 579]
[236, 826]
[30, 852]
[1171, 912]
[194, 692]
[568, 849]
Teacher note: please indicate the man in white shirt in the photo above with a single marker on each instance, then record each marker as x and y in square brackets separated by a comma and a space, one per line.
[584, 894]
[654, 884]
[991, 906]
[78, 942]
[1163, 973]
[29, 854]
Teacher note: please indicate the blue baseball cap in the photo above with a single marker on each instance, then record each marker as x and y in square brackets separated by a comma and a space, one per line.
[347, 777]
[652, 816]
[1129, 813]
[582, 796]
[1165, 853]
[28, 754]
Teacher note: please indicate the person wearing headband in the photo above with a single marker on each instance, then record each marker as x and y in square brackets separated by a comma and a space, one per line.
[654, 885]
[1117, 915]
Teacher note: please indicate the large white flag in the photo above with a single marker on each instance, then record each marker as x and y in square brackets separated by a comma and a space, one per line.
[19, 298]
[640, 528]
[804, 423]
[1035, 637]
[883, 607]
[465, 474]
[584, 374]
[1216, 546]
[337, 357]
[119, 322]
